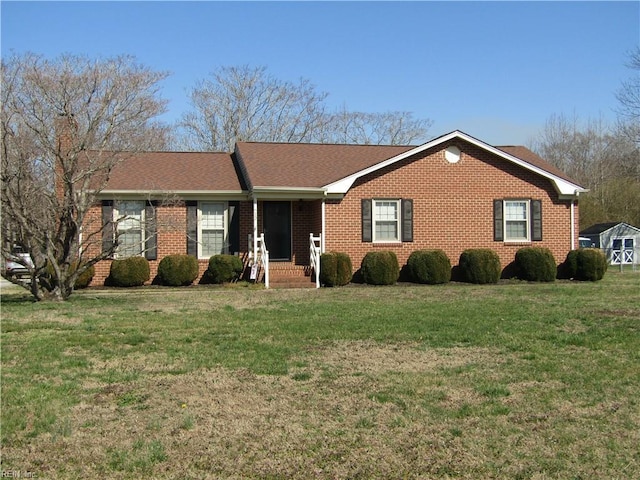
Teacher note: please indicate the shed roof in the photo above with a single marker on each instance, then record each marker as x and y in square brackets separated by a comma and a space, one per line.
[599, 228]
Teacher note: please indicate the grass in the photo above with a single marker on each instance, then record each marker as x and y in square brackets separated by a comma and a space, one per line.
[514, 380]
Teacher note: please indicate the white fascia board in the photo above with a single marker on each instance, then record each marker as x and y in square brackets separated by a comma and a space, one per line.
[226, 194]
[288, 192]
[564, 187]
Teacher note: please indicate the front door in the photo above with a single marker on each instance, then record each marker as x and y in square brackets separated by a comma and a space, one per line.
[277, 229]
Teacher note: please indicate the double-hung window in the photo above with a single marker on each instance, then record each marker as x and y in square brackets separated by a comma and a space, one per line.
[386, 219]
[212, 229]
[517, 220]
[129, 217]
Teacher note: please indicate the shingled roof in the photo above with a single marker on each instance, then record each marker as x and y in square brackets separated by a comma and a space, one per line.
[331, 168]
[305, 165]
[175, 172]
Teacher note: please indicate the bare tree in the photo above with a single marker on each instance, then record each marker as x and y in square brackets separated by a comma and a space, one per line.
[389, 128]
[248, 104]
[244, 103]
[628, 96]
[65, 123]
[598, 157]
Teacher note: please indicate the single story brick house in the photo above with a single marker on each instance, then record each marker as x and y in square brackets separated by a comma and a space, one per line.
[453, 192]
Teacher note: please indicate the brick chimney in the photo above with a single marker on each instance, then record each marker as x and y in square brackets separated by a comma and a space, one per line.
[66, 128]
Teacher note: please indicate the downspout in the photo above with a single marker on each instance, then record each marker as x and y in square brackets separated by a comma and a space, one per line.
[573, 223]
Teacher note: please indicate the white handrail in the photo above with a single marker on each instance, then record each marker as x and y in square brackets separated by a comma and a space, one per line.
[314, 255]
[262, 258]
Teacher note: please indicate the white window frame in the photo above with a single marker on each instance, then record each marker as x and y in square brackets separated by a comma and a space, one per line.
[201, 230]
[376, 220]
[121, 220]
[507, 220]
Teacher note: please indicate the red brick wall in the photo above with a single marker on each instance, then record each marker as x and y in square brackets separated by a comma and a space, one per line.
[452, 206]
[172, 239]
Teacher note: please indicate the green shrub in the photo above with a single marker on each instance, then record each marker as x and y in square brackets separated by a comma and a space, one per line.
[83, 280]
[224, 269]
[591, 264]
[429, 266]
[479, 265]
[178, 270]
[536, 264]
[129, 272]
[569, 267]
[588, 264]
[335, 269]
[380, 268]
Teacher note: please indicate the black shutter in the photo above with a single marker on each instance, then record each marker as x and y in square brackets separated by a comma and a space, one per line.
[107, 226]
[234, 227]
[536, 220]
[150, 231]
[367, 220]
[498, 221]
[192, 228]
[407, 220]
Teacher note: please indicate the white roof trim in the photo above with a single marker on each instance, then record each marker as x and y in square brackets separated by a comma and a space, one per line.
[564, 187]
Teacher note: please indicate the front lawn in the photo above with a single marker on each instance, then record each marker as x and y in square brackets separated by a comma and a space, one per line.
[514, 380]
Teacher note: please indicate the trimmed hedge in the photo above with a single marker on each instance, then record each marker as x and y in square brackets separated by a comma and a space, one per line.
[480, 265]
[129, 272]
[178, 270]
[536, 264]
[586, 264]
[223, 269]
[83, 280]
[380, 268]
[336, 269]
[429, 266]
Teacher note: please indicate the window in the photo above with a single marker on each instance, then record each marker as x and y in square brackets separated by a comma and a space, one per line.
[386, 219]
[212, 231]
[517, 220]
[129, 216]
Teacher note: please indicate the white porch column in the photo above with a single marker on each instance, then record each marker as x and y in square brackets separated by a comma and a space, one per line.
[323, 234]
[255, 229]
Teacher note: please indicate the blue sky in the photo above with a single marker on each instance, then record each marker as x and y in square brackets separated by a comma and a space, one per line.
[495, 70]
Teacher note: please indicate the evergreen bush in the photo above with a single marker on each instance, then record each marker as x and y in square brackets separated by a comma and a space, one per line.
[83, 280]
[178, 270]
[591, 264]
[380, 268]
[336, 269]
[479, 265]
[536, 264]
[587, 264]
[429, 266]
[129, 272]
[224, 269]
